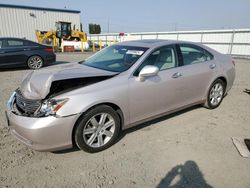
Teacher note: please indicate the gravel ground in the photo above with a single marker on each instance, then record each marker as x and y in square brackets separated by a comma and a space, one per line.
[192, 148]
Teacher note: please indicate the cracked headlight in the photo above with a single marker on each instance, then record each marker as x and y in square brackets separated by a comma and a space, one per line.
[11, 99]
[51, 106]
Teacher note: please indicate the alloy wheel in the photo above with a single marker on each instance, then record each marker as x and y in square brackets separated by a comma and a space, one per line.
[35, 62]
[216, 94]
[98, 130]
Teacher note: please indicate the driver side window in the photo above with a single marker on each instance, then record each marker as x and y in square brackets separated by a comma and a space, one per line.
[164, 58]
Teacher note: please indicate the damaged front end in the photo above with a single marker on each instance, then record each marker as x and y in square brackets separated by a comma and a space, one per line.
[62, 86]
[34, 108]
[37, 94]
[20, 105]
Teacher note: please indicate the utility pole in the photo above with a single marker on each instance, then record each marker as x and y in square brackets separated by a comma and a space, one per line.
[108, 25]
[175, 26]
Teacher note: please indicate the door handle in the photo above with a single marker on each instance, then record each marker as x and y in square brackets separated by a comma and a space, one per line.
[212, 66]
[2, 52]
[176, 75]
[26, 49]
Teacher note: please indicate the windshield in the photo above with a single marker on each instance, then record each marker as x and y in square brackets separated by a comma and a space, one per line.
[115, 58]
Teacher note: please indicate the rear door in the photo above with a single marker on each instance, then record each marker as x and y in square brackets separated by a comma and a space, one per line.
[197, 70]
[15, 52]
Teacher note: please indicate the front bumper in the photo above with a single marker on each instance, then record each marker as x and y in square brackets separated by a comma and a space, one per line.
[42, 134]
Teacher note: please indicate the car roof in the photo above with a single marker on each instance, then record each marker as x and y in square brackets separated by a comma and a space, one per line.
[152, 43]
[148, 43]
[13, 38]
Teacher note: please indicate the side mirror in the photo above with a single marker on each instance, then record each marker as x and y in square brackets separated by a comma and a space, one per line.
[147, 71]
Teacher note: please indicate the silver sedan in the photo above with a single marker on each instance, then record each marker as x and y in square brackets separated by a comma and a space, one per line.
[89, 103]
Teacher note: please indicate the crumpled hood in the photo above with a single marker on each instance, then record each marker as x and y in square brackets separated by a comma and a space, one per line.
[36, 84]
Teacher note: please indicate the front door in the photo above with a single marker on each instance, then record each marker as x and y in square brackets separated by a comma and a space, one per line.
[14, 52]
[157, 94]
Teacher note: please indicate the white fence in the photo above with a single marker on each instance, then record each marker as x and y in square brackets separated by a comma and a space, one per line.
[235, 42]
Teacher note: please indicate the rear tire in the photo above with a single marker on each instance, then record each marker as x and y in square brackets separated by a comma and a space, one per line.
[215, 94]
[35, 62]
[97, 129]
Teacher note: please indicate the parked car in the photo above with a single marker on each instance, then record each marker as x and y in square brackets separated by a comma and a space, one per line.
[77, 45]
[89, 103]
[15, 52]
[97, 44]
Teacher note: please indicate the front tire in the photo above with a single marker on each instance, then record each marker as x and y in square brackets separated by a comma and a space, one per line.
[98, 129]
[35, 62]
[215, 94]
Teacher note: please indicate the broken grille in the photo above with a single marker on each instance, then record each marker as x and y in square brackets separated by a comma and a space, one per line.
[27, 106]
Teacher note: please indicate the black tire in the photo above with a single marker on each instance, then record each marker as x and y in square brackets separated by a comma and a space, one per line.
[35, 62]
[83, 121]
[209, 103]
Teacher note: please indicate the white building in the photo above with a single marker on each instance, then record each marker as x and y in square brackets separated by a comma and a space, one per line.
[23, 21]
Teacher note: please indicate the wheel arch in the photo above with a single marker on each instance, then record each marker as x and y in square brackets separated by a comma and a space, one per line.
[112, 105]
[29, 56]
[222, 78]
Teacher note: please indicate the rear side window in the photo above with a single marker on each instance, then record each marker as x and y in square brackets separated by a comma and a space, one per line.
[15, 43]
[194, 54]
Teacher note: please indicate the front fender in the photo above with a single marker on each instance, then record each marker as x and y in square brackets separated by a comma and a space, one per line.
[80, 103]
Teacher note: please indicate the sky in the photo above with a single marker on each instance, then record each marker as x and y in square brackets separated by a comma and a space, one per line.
[154, 16]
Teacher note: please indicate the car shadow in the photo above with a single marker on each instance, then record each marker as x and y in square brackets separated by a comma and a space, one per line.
[247, 91]
[187, 175]
[13, 69]
[58, 63]
[137, 127]
[70, 150]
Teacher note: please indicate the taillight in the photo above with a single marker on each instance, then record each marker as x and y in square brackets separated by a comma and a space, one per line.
[233, 62]
[49, 50]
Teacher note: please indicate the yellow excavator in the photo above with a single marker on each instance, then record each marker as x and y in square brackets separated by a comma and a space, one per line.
[63, 32]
